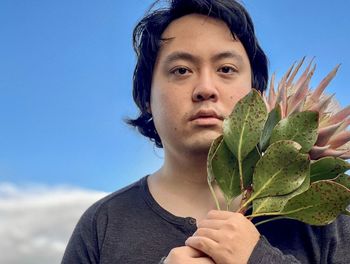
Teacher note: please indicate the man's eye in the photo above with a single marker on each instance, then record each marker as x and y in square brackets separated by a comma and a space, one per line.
[180, 71]
[227, 69]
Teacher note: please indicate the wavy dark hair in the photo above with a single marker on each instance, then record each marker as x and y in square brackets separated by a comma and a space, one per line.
[147, 41]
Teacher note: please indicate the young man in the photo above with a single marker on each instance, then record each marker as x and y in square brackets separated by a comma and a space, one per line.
[196, 59]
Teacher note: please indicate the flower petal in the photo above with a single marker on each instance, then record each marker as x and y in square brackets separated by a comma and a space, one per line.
[339, 139]
[272, 94]
[322, 105]
[340, 116]
[319, 152]
[346, 155]
[325, 133]
[320, 88]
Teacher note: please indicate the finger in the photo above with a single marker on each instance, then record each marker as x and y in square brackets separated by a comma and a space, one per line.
[208, 233]
[219, 215]
[210, 223]
[191, 252]
[204, 260]
[203, 244]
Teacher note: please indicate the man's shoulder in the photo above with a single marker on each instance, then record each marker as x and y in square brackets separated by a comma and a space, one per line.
[123, 193]
[126, 197]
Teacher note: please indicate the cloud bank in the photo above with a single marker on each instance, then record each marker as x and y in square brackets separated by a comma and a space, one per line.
[36, 222]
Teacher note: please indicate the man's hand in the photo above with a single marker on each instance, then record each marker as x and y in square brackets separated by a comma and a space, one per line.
[227, 237]
[187, 255]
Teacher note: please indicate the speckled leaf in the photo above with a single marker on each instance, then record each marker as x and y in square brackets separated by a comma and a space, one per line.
[224, 168]
[212, 150]
[328, 168]
[249, 164]
[276, 203]
[343, 179]
[273, 118]
[281, 170]
[243, 128]
[300, 127]
[320, 204]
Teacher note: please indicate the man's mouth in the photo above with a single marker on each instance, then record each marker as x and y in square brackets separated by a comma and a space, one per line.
[207, 117]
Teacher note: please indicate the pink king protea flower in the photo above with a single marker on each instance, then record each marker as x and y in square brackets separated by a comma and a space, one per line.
[296, 96]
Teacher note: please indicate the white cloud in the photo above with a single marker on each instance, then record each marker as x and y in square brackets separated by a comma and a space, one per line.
[37, 221]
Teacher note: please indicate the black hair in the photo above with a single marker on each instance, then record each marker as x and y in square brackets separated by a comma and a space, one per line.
[147, 41]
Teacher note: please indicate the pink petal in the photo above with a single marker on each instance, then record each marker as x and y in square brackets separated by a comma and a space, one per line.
[299, 95]
[344, 125]
[298, 107]
[307, 74]
[319, 90]
[322, 105]
[280, 89]
[295, 71]
[317, 152]
[266, 103]
[334, 152]
[286, 76]
[345, 155]
[281, 97]
[325, 133]
[284, 101]
[340, 116]
[324, 119]
[272, 94]
[340, 139]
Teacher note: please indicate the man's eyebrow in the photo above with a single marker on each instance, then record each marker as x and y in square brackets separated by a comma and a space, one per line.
[181, 55]
[227, 55]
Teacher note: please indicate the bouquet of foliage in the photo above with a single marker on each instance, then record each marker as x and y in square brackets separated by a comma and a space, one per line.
[284, 153]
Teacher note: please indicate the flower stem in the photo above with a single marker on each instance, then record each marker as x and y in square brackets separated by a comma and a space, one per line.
[269, 220]
[258, 150]
[241, 175]
[247, 202]
[265, 214]
[214, 196]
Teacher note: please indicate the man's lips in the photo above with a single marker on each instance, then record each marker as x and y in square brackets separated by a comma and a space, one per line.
[206, 117]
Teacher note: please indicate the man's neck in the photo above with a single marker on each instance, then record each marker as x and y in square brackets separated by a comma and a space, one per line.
[181, 186]
[188, 169]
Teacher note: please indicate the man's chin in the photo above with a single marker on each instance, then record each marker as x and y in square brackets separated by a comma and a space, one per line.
[203, 144]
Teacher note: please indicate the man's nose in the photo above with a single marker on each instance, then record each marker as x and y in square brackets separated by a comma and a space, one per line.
[205, 88]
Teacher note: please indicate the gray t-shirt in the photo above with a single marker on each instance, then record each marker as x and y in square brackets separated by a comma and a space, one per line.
[130, 227]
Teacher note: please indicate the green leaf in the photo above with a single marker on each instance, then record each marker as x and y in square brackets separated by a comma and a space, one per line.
[276, 203]
[210, 174]
[300, 127]
[281, 170]
[243, 128]
[320, 204]
[328, 168]
[343, 179]
[224, 168]
[273, 118]
[212, 150]
[249, 164]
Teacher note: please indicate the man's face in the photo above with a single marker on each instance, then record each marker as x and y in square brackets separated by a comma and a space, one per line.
[200, 73]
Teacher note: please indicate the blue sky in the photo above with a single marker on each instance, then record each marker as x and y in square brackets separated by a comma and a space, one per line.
[65, 82]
